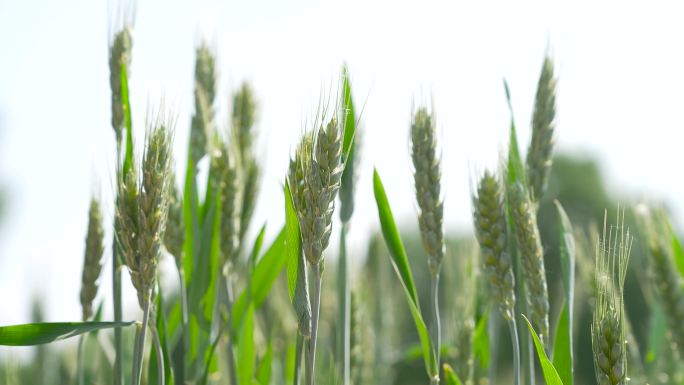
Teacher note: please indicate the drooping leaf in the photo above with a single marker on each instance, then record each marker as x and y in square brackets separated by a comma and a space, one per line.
[451, 377]
[46, 332]
[481, 342]
[551, 376]
[563, 357]
[403, 270]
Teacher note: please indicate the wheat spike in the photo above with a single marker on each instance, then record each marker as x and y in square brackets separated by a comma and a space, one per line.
[119, 53]
[227, 182]
[490, 229]
[92, 265]
[532, 257]
[202, 122]
[427, 175]
[543, 126]
[174, 237]
[608, 324]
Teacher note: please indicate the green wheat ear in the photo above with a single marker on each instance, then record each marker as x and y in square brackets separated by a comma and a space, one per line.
[227, 178]
[119, 53]
[201, 126]
[174, 237]
[543, 126]
[427, 175]
[92, 265]
[608, 324]
[532, 256]
[491, 231]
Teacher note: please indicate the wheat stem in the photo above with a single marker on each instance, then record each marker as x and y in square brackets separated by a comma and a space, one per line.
[141, 336]
[230, 356]
[344, 310]
[80, 367]
[435, 326]
[160, 355]
[515, 342]
[317, 270]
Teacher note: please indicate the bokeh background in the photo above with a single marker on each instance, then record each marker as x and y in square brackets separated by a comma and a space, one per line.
[619, 125]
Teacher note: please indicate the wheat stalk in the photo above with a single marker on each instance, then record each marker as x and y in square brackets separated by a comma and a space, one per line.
[608, 324]
[427, 176]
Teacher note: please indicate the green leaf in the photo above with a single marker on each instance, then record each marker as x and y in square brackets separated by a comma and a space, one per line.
[264, 371]
[563, 357]
[203, 280]
[551, 376]
[292, 242]
[263, 277]
[481, 342]
[190, 221]
[126, 104]
[657, 334]
[210, 360]
[349, 114]
[677, 249]
[516, 167]
[403, 270]
[46, 332]
[246, 354]
[562, 348]
[290, 359]
[451, 377]
[256, 249]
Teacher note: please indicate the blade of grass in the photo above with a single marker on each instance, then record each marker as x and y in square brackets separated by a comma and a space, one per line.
[246, 354]
[264, 371]
[550, 374]
[403, 270]
[450, 376]
[563, 357]
[46, 332]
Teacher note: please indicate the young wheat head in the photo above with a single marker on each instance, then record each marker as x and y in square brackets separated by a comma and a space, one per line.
[174, 237]
[201, 125]
[427, 175]
[227, 183]
[315, 176]
[608, 324]
[532, 257]
[142, 209]
[92, 265]
[490, 229]
[119, 53]
[543, 126]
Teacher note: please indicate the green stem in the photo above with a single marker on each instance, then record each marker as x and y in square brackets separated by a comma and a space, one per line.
[141, 336]
[434, 330]
[160, 355]
[298, 357]
[118, 338]
[516, 350]
[344, 311]
[230, 356]
[315, 308]
[79, 363]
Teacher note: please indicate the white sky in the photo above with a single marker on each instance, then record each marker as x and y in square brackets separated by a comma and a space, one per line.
[620, 98]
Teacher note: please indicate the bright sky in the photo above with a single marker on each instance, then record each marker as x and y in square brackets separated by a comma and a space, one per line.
[620, 98]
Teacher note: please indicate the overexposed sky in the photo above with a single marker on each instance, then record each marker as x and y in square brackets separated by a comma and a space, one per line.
[620, 98]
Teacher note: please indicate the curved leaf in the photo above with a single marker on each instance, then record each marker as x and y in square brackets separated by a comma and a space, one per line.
[562, 349]
[46, 332]
[403, 270]
[451, 377]
[551, 376]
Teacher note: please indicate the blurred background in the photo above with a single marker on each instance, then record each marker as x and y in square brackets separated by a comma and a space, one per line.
[618, 134]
